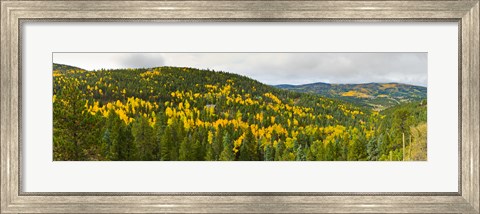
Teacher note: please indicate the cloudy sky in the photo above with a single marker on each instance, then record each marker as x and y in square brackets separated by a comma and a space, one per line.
[273, 68]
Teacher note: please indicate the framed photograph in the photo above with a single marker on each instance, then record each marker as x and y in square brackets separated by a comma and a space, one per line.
[239, 107]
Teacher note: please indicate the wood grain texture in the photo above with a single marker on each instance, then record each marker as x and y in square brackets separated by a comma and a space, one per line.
[12, 12]
[470, 109]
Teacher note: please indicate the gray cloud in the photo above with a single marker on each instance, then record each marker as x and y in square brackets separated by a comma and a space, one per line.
[275, 68]
[92, 61]
[140, 60]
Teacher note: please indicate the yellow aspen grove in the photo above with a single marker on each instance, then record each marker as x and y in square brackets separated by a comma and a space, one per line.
[187, 114]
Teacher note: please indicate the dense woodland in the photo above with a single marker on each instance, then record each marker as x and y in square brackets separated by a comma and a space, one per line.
[187, 114]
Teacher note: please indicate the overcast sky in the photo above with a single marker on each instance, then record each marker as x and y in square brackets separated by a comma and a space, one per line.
[274, 68]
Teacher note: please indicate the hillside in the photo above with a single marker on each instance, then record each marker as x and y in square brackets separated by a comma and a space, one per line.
[64, 68]
[176, 113]
[373, 95]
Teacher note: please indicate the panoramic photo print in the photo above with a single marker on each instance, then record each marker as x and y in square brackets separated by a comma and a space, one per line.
[239, 106]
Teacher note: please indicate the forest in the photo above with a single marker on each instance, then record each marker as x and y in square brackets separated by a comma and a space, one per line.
[188, 114]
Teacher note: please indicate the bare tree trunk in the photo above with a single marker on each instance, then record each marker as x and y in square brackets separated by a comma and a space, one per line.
[410, 148]
[403, 140]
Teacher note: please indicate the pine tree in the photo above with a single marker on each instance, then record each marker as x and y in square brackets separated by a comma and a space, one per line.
[122, 146]
[165, 143]
[280, 150]
[143, 135]
[269, 156]
[244, 153]
[227, 153]
[209, 156]
[76, 132]
[372, 150]
[185, 150]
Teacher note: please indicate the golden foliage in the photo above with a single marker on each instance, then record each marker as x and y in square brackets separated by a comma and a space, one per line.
[355, 94]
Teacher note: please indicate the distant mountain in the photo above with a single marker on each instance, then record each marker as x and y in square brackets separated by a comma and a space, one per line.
[374, 95]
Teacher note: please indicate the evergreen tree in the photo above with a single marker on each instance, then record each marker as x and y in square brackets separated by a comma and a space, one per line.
[165, 144]
[227, 153]
[143, 135]
[185, 150]
[76, 133]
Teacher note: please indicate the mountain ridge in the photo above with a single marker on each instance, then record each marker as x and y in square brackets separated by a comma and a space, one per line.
[353, 84]
[64, 67]
[374, 95]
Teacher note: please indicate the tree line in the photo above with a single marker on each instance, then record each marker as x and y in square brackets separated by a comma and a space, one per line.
[187, 114]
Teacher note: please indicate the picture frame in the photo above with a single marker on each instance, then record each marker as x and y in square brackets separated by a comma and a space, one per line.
[465, 13]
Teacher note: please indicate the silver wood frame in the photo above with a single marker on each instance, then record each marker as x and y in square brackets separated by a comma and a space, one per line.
[14, 13]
